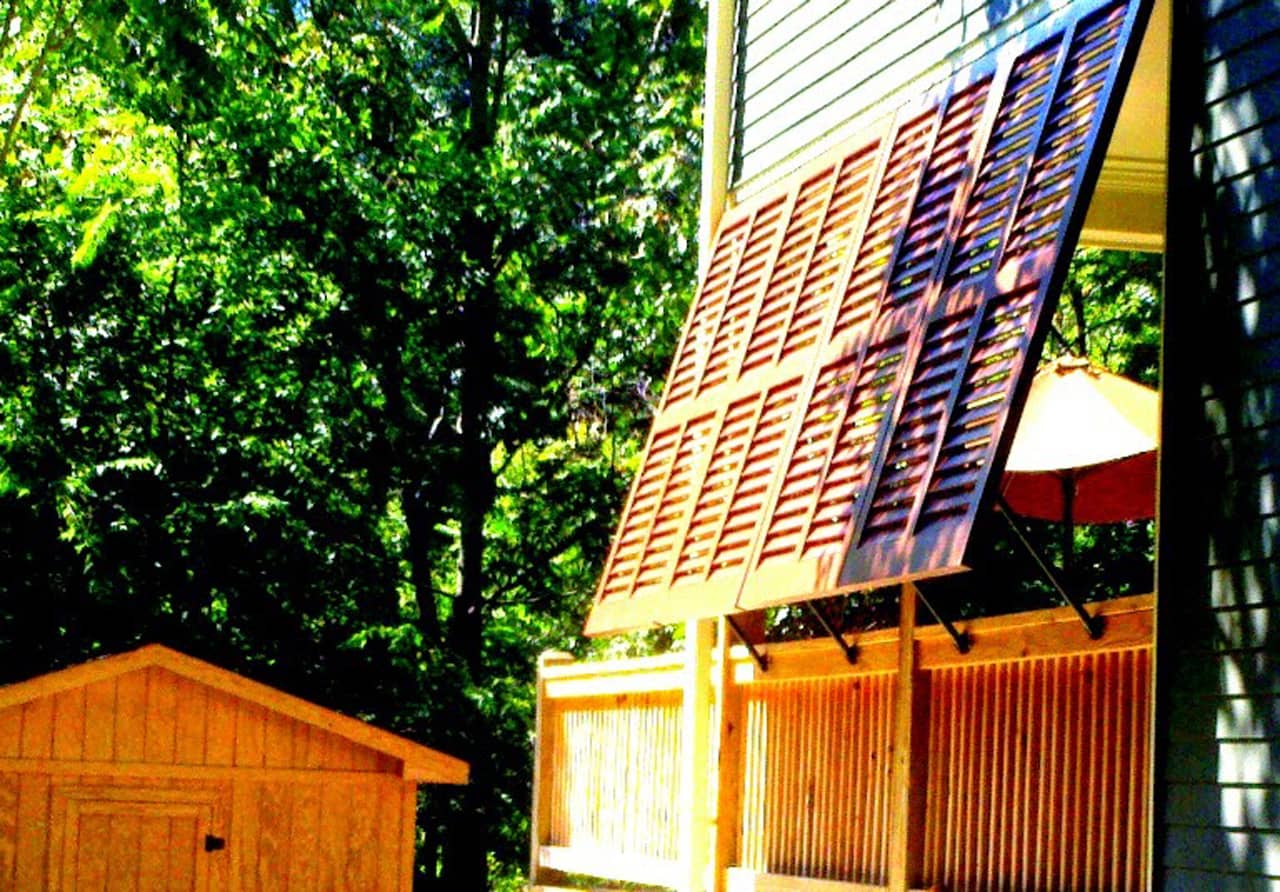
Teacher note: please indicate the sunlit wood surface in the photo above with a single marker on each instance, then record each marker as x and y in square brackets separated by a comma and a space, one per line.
[114, 775]
[1037, 760]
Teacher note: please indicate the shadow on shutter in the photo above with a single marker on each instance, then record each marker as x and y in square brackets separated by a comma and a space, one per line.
[863, 339]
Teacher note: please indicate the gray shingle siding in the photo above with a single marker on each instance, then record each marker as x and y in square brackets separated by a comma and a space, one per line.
[812, 70]
[1218, 738]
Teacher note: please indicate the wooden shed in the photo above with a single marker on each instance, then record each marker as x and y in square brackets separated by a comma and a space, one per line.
[153, 770]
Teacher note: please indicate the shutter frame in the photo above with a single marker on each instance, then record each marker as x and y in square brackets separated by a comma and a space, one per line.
[943, 430]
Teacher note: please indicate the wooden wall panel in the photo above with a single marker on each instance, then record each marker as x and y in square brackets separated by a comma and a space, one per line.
[99, 721]
[304, 867]
[30, 867]
[1038, 774]
[321, 837]
[614, 775]
[130, 717]
[815, 774]
[37, 729]
[162, 706]
[152, 716]
[191, 716]
[9, 788]
[11, 732]
[1218, 803]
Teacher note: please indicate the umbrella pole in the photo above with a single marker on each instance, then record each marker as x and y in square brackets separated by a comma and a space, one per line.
[1068, 526]
[1092, 624]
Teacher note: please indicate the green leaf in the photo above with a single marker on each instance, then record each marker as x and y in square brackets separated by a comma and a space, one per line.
[93, 235]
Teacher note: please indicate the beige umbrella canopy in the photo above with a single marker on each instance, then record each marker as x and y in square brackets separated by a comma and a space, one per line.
[1085, 449]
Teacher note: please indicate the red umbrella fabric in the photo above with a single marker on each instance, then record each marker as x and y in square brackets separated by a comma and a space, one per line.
[1085, 449]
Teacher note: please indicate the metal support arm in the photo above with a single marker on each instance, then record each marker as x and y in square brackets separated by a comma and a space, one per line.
[1092, 624]
[961, 640]
[850, 650]
[761, 658]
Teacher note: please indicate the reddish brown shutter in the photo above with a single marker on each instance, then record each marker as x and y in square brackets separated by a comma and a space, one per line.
[859, 344]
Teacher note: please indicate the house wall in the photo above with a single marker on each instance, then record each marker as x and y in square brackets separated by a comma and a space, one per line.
[1218, 803]
[811, 72]
[299, 807]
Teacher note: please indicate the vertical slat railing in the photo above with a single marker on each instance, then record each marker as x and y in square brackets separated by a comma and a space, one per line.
[1037, 761]
[1043, 786]
[608, 784]
[817, 771]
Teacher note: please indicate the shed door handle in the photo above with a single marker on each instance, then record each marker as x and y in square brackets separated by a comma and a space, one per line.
[214, 843]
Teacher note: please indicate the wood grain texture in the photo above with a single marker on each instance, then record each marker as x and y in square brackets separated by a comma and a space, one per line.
[1028, 761]
[113, 783]
[147, 704]
[99, 721]
[9, 784]
[162, 712]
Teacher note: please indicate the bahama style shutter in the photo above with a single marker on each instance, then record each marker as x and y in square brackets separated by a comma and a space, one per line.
[857, 354]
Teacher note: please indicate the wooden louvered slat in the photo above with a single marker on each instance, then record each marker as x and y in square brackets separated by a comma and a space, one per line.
[700, 327]
[811, 307]
[717, 489]
[940, 362]
[628, 549]
[744, 513]
[930, 191]
[753, 269]
[1004, 163]
[830, 457]
[859, 346]
[1068, 133]
[983, 400]
[897, 185]
[672, 510]
[789, 269]
[804, 467]
[929, 489]
[848, 467]
[943, 178]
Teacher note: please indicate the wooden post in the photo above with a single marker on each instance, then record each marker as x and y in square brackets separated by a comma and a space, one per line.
[728, 760]
[717, 116]
[543, 748]
[695, 762]
[910, 754]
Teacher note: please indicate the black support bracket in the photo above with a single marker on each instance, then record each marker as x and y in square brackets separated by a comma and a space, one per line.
[850, 650]
[960, 639]
[1094, 625]
[760, 657]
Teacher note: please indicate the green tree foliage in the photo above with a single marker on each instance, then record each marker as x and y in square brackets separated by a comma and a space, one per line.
[328, 337]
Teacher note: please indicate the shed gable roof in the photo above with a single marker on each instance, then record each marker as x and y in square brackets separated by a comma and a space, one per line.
[863, 338]
[420, 763]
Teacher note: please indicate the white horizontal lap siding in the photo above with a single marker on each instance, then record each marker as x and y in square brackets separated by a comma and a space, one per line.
[811, 72]
[1218, 651]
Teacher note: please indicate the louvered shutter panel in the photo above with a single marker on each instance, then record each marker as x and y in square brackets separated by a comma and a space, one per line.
[862, 339]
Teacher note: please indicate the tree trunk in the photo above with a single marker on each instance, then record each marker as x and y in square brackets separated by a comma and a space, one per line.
[466, 860]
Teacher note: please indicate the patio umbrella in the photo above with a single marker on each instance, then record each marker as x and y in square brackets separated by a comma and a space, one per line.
[1085, 449]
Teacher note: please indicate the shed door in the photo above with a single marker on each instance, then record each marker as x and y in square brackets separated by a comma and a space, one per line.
[112, 839]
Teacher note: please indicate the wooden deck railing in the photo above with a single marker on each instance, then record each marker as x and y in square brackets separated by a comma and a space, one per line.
[608, 790]
[1032, 759]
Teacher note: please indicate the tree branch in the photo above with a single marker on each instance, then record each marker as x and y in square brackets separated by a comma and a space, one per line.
[454, 31]
[6, 26]
[53, 42]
